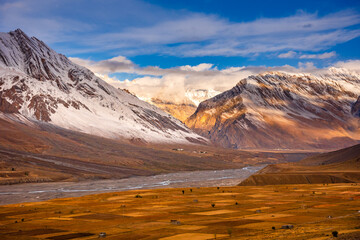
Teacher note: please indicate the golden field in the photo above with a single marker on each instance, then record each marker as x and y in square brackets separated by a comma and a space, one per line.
[242, 212]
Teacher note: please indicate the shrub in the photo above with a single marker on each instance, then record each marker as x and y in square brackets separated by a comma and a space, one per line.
[335, 233]
[138, 196]
[213, 204]
[183, 192]
[229, 232]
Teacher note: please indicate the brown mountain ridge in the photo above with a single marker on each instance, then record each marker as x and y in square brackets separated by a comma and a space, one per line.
[342, 166]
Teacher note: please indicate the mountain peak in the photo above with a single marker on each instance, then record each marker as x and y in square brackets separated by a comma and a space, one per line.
[280, 110]
[45, 86]
[18, 31]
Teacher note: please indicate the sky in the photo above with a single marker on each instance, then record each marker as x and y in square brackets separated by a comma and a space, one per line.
[151, 41]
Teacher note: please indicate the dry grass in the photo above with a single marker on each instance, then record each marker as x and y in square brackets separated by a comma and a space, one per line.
[122, 216]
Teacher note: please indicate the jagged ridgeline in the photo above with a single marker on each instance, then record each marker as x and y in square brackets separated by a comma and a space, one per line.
[278, 110]
[40, 85]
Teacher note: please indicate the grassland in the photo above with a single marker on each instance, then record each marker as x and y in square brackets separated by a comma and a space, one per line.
[242, 212]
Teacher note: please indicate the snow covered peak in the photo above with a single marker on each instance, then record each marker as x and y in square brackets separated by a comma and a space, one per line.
[196, 96]
[42, 85]
[284, 110]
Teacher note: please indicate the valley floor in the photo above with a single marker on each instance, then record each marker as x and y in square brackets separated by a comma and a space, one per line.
[35, 192]
[242, 212]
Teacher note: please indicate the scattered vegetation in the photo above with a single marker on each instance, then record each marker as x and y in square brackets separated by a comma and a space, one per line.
[229, 232]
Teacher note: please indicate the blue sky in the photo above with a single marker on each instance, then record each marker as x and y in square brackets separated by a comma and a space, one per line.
[168, 34]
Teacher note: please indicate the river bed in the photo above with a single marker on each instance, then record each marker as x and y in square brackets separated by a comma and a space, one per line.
[34, 192]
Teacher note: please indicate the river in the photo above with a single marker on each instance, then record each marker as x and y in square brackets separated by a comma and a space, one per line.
[34, 192]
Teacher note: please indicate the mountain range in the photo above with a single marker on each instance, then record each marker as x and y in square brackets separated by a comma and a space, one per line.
[279, 110]
[38, 84]
[60, 122]
[272, 110]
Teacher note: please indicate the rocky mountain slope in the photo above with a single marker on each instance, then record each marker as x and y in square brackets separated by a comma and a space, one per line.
[179, 111]
[38, 84]
[333, 167]
[183, 110]
[41, 152]
[277, 110]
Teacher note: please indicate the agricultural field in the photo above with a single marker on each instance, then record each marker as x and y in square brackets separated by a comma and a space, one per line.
[242, 212]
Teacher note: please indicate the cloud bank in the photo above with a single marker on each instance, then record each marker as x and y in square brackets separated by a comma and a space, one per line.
[294, 55]
[77, 28]
[172, 84]
[208, 35]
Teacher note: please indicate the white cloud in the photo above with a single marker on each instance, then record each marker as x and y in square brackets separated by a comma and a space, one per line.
[307, 66]
[289, 54]
[198, 68]
[353, 65]
[171, 84]
[115, 64]
[154, 29]
[209, 35]
[318, 56]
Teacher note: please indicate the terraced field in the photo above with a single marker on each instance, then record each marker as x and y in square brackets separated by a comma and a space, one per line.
[242, 212]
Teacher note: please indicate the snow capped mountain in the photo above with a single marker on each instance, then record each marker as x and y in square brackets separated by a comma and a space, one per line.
[42, 85]
[196, 96]
[278, 110]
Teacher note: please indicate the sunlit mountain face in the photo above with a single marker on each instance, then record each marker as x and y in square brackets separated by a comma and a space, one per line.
[294, 70]
[154, 119]
[278, 110]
